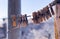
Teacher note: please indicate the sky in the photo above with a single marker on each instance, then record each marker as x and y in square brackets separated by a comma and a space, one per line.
[27, 6]
[3, 9]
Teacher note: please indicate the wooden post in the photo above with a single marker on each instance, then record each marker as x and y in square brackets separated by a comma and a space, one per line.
[57, 22]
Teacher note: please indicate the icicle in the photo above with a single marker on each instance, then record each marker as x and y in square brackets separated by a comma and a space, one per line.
[26, 19]
[47, 12]
[35, 17]
[39, 17]
[24, 22]
[19, 21]
[43, 15]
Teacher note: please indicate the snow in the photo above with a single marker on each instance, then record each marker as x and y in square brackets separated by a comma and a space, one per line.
[44, 30]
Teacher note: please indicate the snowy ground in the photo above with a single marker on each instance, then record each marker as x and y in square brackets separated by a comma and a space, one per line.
[44, 30]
